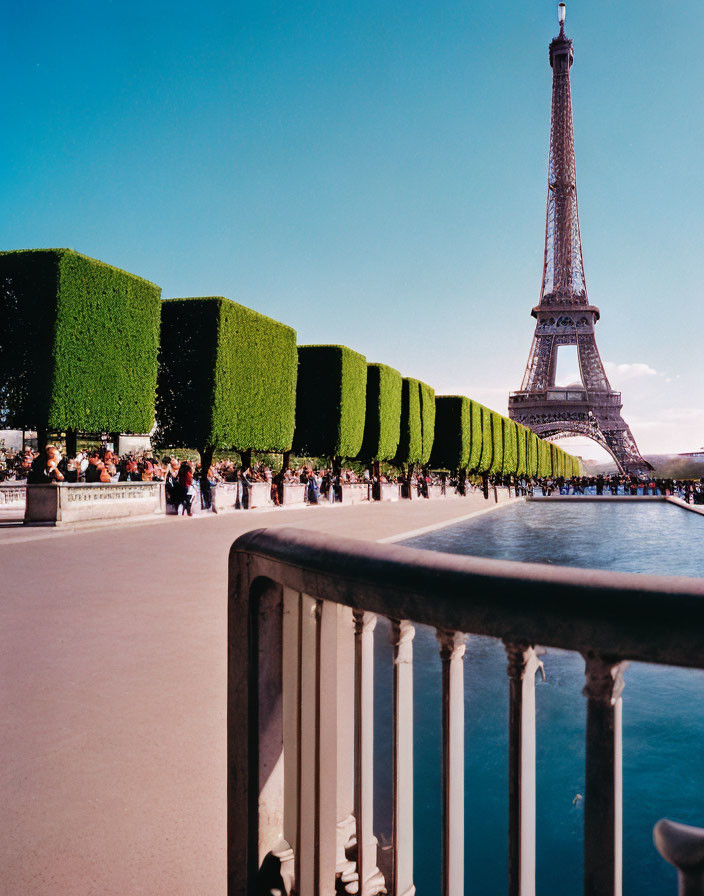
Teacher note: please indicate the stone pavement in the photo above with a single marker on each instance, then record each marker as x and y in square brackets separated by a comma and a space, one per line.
[112, 696]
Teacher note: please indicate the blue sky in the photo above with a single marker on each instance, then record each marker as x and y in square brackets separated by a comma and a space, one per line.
[374, 173]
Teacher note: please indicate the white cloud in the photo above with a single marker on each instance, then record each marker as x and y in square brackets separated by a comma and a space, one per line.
[624, 372]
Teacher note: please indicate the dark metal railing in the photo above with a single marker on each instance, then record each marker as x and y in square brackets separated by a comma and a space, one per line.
[302, 611]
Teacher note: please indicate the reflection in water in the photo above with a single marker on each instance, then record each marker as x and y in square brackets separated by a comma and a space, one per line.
[663, 709]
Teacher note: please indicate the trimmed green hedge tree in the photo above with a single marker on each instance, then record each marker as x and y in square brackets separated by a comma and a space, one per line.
[411, 446]
[227, 377]
[331, 401]
[522, 446]
[487, 455]
[475, 450]
[452, 433]
[510, 461]
[382, 425]
[544, 459]
[497, 436]
[78, 344]
[427, 420]
[533, 454]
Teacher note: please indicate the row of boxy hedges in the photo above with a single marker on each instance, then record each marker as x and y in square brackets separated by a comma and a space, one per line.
[472, 437]
[87, 347]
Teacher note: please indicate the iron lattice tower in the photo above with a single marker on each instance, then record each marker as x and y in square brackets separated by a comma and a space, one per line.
[564, 315]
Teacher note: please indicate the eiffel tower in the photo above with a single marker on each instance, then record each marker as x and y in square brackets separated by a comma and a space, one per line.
[564, 315]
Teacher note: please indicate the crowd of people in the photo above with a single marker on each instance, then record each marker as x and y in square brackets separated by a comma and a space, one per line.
[186, 482]
[689, 490]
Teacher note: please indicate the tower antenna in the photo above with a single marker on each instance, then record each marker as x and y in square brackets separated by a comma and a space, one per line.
[561, 13]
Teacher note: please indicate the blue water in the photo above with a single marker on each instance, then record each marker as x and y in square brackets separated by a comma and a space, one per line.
[663, 709]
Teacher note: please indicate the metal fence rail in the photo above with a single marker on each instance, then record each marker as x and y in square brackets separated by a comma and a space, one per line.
[302, 612]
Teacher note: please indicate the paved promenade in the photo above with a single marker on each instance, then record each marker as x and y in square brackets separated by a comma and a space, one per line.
[112, 696]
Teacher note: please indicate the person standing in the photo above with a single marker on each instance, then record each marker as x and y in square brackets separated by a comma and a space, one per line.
[187, 489]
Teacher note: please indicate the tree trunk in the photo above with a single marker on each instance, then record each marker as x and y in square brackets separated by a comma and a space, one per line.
[376, 480]
[286, 460]
[485, 485]
[462, 482]
[206, 460]
[42, 438]
[71, 443]
[246, 458]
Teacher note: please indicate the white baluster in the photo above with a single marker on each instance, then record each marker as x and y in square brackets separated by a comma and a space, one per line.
[523, 663]
[371, 881]
[306, 871]
[603, 796]
[452, 649]
[345, 868]
[291, 658]
[402, 639]
[326, 749]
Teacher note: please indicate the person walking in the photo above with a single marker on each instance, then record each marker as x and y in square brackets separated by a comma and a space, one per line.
[187, 488]
[313, 488]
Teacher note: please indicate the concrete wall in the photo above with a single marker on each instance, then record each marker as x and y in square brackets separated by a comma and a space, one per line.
[55, 505]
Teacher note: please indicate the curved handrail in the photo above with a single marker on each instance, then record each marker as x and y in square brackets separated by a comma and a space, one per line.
[646, 618]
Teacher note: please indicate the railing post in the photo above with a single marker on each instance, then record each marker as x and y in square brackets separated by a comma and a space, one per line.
[371, 880]
[291, 660]
[402, 633]
[523, 663]
[305, 848]
[257, 855]
[326, 752]
[346, 869]
[452, 650]
[603, 797]
[316, 848]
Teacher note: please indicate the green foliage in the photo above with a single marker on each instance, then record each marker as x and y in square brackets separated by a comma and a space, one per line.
[331, 401]
[78, 344]
[427, 420]
[533, 454]
[510, 461]
[475, 451]
[544, 459]
[487, 455]
[452, 433]
[410, 445]
[497, 435]
[227, 377]
[382, 425]
[522, 446]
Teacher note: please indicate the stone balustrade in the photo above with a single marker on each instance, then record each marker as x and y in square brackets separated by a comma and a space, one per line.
[12, 494]
[81, 502]
[63, 503]
[301, 628]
